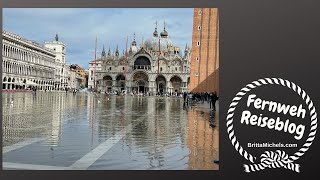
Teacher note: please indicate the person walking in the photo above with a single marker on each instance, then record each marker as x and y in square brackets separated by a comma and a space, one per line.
[184, 98]
[190, 99]
[202, 97]
[214, 98]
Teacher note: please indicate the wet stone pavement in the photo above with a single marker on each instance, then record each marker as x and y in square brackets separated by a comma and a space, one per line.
[59, 131]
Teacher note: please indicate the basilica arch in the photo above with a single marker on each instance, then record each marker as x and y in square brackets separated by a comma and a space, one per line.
[142, 62]
[4, 83]
[107, 83]
[176, 84]
[121, 82]
[161, 84]
[140, 82]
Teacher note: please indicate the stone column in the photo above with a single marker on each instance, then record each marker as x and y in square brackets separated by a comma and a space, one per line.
[151, 86]
[128, 87]
[114, 83]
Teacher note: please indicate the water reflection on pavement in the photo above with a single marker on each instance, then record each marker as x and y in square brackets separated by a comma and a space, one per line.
[86, 131]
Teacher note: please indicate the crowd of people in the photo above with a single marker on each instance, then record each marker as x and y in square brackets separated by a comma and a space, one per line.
[189, 98]
[211, 98]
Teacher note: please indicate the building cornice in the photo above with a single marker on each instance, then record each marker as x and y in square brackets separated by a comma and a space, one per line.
[25, 42]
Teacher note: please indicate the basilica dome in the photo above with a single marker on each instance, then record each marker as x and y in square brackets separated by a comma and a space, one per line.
[152, 43]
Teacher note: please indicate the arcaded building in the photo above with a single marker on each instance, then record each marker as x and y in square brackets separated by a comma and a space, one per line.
[204, 75]
[26, 64]
[156, 66]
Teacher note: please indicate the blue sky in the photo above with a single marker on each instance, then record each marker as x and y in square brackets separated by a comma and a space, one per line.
[77, 28]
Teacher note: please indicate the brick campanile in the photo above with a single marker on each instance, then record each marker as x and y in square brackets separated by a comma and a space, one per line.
[204, 72]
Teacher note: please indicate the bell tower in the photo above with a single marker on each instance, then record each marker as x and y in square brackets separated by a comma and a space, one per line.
[204, 74]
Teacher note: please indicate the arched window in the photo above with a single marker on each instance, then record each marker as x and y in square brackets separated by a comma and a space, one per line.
[142, 61]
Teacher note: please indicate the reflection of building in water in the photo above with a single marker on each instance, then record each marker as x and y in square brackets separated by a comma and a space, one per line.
[28, 117]
[104, 114]
[160, 134]
[89, 107]
[148, 68]
[57, 113]
[203, 141]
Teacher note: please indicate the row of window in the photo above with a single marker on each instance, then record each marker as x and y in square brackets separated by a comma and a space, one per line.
[24, 55]
[108, 68]
[123, 68]
[176, 69]
[199, 27]
[198, 43]
[26, 70]
[56, 49]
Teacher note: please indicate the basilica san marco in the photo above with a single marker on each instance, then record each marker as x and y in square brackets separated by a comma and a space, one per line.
[154, 66]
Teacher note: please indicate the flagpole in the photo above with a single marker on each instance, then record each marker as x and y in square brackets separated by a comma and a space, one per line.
[95, 64]
[159, 58]
[126, 63]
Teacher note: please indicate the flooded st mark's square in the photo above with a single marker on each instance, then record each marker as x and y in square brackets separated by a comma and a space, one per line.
[65, 131]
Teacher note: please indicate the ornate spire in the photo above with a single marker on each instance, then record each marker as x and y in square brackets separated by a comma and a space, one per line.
[142, 42]
[117, 51]
[164, 33]
[155, 33]
[109, 53]
[103, 54]
[186, 51]
[134, 43]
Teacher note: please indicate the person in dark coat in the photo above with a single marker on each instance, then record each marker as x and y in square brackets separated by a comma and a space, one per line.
[184, 98]
[214, 98]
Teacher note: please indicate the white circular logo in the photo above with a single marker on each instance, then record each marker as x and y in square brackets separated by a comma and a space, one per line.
[278, 158]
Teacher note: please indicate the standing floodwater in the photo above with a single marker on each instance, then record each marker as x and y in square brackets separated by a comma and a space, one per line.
[88, 131]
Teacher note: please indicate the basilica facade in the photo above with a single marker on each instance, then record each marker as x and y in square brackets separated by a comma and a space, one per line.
[156, 66]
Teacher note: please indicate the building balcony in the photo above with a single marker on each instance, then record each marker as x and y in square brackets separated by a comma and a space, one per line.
[144, 67]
